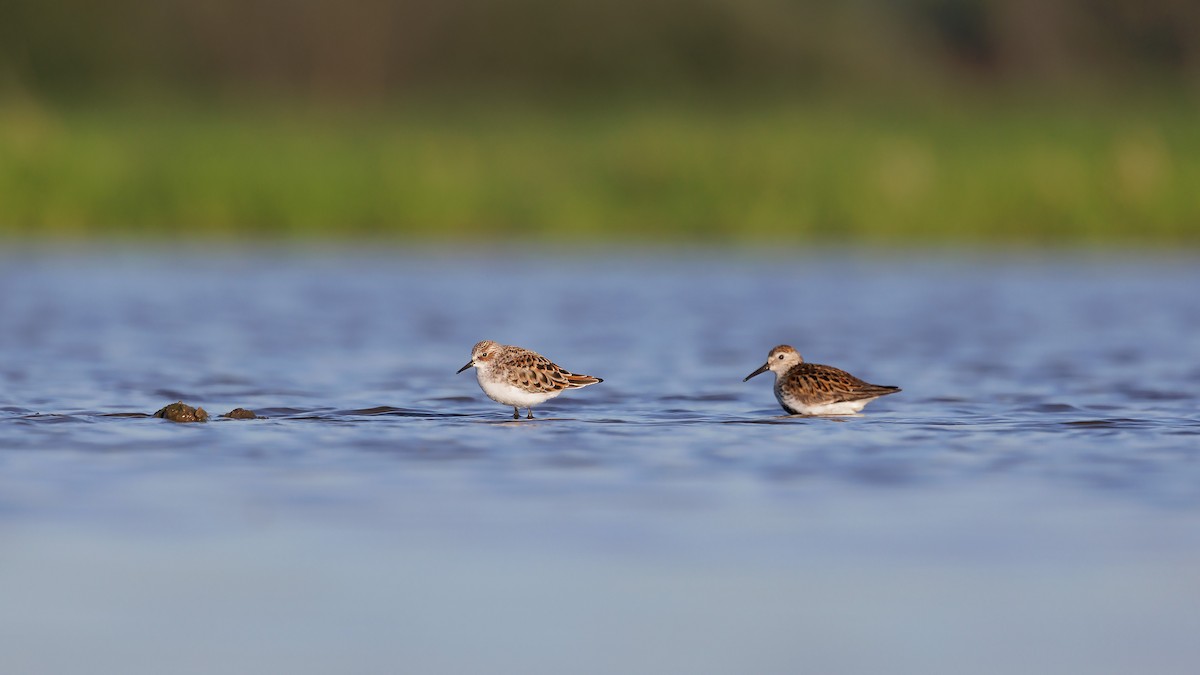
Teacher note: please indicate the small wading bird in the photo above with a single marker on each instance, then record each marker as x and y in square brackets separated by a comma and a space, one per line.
[520, 378]
[813, 389]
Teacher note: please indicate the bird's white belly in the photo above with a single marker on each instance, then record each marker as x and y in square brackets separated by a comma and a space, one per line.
[838, 408]
[503, 392]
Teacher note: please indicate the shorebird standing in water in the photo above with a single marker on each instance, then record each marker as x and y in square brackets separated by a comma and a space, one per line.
[813, 389]
[519, 377]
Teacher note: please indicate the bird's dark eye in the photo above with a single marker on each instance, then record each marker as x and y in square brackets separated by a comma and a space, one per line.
[781, 356]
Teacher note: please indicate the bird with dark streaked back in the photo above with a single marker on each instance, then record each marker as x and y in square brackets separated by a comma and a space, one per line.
[813, 389]
[519, 377]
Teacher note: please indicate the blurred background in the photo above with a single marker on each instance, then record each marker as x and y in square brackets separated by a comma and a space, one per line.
[699, 121]
[994, 205]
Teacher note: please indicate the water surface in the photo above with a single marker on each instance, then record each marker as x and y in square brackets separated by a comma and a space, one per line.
[1029, 503]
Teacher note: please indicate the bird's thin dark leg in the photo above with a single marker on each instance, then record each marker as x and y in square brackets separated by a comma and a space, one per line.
[516, 413]
[530, 414]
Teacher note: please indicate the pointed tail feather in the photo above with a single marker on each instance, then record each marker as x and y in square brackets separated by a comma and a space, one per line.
[575, 381]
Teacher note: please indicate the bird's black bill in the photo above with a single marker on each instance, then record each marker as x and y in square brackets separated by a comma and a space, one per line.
[469, 364]
[760, 371]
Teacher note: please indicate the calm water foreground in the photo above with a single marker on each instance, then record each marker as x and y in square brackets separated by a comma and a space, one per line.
[1030, 503]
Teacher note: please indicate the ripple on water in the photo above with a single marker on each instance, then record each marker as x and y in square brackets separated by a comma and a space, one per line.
[53, 418]
[1050, 408]
[1110, 423]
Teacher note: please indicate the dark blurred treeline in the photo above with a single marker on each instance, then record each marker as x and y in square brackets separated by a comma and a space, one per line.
[387, 48]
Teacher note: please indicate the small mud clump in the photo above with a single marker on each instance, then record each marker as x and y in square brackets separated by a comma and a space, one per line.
[240, 414]
[182, 412]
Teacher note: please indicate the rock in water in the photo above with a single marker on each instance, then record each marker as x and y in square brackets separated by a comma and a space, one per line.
[182, 412]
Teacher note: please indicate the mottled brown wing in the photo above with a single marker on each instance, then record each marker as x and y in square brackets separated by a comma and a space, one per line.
[536, 373]
[836, 385]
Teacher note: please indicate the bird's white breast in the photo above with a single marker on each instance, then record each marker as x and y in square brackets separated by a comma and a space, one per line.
[799, 407]
[839, 408]
[503, 392]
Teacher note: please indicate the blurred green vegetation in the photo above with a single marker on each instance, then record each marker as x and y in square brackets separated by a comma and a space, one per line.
[759, 173]
[755, 121]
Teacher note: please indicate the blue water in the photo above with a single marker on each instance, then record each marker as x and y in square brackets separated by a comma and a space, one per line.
[1029, 503]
